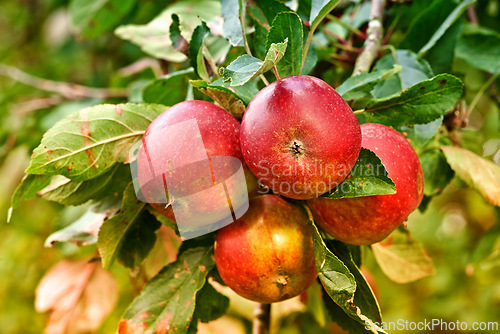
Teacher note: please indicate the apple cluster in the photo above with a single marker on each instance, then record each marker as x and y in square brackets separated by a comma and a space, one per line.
[300, 139]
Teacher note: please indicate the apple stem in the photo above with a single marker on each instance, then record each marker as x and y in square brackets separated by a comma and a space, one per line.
[261, 319]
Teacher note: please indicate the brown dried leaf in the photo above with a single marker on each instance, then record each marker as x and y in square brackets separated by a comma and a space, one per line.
[78, 294]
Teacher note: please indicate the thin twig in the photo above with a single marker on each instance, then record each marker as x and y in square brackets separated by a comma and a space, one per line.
[66, 89]
[373, 40]
[243, 21]
[471, 15]
[480, 93]
[245, 40]
[140, 66]
[355, 31]
[29, 106]
[261, 319]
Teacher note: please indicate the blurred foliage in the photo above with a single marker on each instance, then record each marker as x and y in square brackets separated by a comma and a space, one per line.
[458, 229]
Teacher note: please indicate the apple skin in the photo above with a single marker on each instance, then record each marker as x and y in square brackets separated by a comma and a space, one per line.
[299, 137]
[267, 255]
[366, 220]
[220, 133]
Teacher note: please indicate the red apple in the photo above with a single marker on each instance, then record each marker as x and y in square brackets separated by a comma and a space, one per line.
[189, 145]
[299, 137]
[366, 220]
[267, 255]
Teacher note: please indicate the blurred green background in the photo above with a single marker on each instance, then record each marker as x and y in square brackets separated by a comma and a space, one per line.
[459, 229]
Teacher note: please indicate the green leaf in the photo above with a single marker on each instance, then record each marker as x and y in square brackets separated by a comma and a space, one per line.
[361, 85]
[210, 305]
[245, 92]
[454, 15]
[68, 192]
[246, 67]
[167, 302]
[421, 103]
[169, 89]
[319, 9]
[287, 26]
[480, 174]
[368, 177]
[84, 230]
[437, 173]
[164, 220]
[401, 258]
[226, 98]
[138, 241]
[175, 30]
[486, 245]
[264, 11]
[344, 321]
[442, 55]
[259, 41]
[419, 134]
[154, 37]
[196, 58]
[95, 17]
[88, 143]
[413, 71]
[480, 48]
[114, 231]
[232, 27]
[364, 298]
[29, 187]
[338, 281]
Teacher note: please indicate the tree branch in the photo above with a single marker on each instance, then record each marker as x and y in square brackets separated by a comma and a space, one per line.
[374, 37]
[68, 90]
[261, 319]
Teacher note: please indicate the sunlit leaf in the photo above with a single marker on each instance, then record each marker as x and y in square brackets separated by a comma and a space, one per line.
[84, 230]
[401, 258]
[154, 37]
[246, 67]
[232, 26]
[88, 143]
[480, 174]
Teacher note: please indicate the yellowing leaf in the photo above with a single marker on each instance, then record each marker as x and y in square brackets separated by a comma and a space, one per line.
[480, 174]
[402, 259]
[79, 296]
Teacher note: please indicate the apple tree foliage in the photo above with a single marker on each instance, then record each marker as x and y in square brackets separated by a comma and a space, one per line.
[226, 51]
